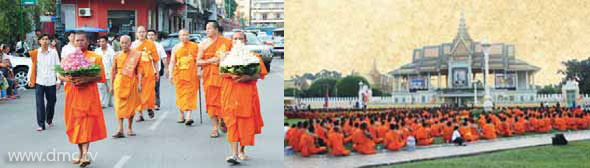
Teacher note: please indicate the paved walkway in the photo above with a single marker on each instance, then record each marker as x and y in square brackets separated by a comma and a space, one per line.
[429, 152]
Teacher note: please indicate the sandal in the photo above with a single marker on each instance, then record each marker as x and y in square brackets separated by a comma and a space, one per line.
[180, 121]
[131, 134]
[84, 163]
[214, 134]
[74, 161]
[189, 122]
[242, 156]
[140, 119]
[233, 160]
[119, 135]
[151, 114]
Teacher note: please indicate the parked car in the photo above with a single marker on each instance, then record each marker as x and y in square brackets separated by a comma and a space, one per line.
[172, 40]
[255, 45]
[20, 67]
[279, 42]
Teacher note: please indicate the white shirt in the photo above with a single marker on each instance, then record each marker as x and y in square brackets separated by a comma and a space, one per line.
[46, 62]
[161, 53]
[456, 134]
[107, 59]
[67, 49]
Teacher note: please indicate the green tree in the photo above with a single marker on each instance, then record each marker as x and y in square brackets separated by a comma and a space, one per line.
[579, 71]
[349, 85]
[292, 92]
[376, 91]
[14, 21]
[549, 89]
[318, 87]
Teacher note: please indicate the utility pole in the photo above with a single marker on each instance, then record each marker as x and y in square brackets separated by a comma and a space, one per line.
[59, 27]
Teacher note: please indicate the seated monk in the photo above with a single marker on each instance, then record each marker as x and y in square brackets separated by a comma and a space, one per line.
[393, 139]
[373, 130]
[571, 123]
[448, 132]
[423, 135]
[307, 143]
[489, 131]
[505, 129]
[465, 132]
[382, 130]
[294, 138]
[560, 123]
[363, 142]
[435, 129]
[544, 125]
[520, 126]
[336, 143]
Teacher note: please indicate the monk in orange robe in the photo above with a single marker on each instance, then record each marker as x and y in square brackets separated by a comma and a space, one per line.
[183, 73]
[505, 129]
[148, 68]
[520, 126]
[489, 131]
[465, 131]
[83, 116]
[393, 139]
[336, 143]
[382, 130]
[560, 123]
[307, 143]
[423, 135]
[241, 106]
[211, 49]
[571, 123]
[294, 138]
[125, 83]
[363, 142]
[448, 132]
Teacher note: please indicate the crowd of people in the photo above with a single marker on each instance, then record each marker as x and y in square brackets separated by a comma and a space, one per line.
[130, 78]
[329, 131]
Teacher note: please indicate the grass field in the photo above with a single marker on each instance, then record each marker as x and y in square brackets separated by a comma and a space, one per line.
[576, 154]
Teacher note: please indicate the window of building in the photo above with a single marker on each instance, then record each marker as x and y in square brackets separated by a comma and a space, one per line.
[264, 16]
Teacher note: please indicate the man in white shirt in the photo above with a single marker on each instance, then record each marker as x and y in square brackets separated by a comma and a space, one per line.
[70, 47]
[43, 77]
[108, 55]
[153, 35]
[457, 137]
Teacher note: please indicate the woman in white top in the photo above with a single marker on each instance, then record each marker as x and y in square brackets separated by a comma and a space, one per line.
[457, 137]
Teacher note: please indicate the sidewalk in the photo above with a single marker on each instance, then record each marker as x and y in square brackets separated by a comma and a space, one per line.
[430, 152]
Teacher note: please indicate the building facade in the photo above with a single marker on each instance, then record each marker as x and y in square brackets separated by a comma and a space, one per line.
[453, 73]
[267, 13]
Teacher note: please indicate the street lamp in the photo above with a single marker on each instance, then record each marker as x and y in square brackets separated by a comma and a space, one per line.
[487, 104]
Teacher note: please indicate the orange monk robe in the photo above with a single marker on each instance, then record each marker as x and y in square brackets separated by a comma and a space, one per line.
[84, 120]
[211, 79]
[474, 133]
[545, 125]
[585, 122]
[125, 86]
[423, 136]
[336, 144]
[294, 139]
[373, 131]
[147, 69]
[241, 109]
[307, 144]
[435, 130]
[571, 123]
[466, 133]
[393, 141]
[289, 134]
[580, 122]
[362, 143]
[520, 127]
[531, 125]
[505, 129]
[447, 133]
[321, 133]
[489, 131]
[560, 124]
[185, 77]
[381, 131]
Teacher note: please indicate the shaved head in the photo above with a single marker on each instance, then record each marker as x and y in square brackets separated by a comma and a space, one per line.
[183, 35]
[140, 33]
[125, 42]
[239, 36]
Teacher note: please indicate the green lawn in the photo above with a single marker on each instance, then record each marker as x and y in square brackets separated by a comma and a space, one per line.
[576, 154]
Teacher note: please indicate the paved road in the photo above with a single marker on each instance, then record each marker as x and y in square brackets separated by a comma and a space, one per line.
[160, 143]
[430, 152]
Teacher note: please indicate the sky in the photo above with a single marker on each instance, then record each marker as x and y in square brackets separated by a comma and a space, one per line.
[346, 35]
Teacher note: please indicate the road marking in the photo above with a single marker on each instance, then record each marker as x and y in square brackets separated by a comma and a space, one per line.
[159, 120]
[122, 161]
